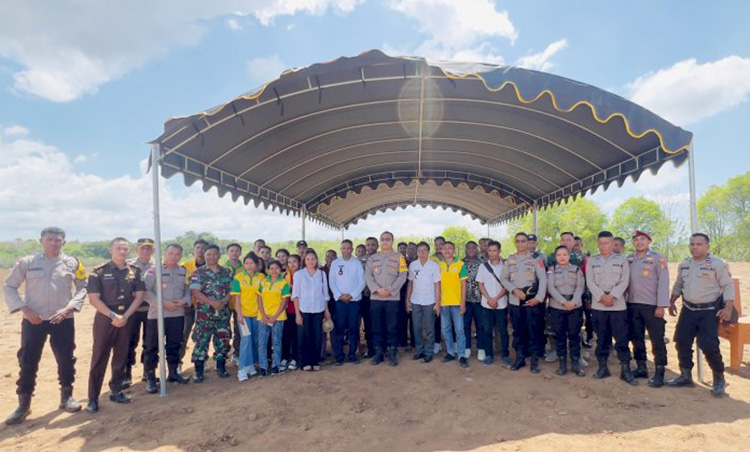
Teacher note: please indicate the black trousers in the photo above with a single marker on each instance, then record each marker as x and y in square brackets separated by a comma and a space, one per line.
[384, 321]
[312, 337]
[567, 328]
[137, 333]
[365, 311]
[33, 338]
[473, 313]
[346, 324]
[641, 318]
[173, 327]
[528, 330]
[611, 325]
[290, 339]
[108, 340]
[705, 326]
[494, 320]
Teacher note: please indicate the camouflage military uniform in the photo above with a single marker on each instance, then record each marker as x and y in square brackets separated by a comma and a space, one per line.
[209, 321]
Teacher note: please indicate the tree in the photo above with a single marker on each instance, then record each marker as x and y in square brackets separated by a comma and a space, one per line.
[713, 216]
[582, 217]
[187, 239]
[639, 213]
[724, 214]
[459, 235]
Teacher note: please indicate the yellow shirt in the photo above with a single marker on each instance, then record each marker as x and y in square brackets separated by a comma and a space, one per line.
[451, 276]
[228, 265]
[247, 288]
[272, 295]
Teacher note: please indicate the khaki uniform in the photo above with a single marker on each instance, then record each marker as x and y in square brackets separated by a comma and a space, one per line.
[386, 269]
[565, 284]
[521, 271]
[648, 290]
[609, 275]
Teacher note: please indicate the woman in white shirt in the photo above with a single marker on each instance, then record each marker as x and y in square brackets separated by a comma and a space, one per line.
[310, 297]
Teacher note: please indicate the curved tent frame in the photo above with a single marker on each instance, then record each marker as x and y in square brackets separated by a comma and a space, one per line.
[345, 139]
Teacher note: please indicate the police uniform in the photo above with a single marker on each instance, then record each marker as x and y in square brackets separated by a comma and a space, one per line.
[117, 288]
[138, 331]
[522, 271]
[386, 269]
[705, 287]
[49, 284]
[610, 276]
[566, 284]
[175, 286]
[648, 290]
[210, 322]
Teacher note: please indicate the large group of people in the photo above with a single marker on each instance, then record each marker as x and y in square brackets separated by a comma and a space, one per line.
[274, 315]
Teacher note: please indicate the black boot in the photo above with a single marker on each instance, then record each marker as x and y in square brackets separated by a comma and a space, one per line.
[518, 363]
[378, 358]
[658, 380]
[575, 366]
[221, 368]
[175, 376]
[534, 365]
[720, 384]
[563, 369]
[127, 379]
[626, 374]
[393, 357]
[641, 371]
[151, 386]
[67, 402]
[198, 377]
[23, 410]
[603, 371]
[685, 380]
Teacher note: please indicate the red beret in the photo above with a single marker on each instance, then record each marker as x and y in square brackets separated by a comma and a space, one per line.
[641, 234]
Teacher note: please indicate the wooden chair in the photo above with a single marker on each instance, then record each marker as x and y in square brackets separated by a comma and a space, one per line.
[739, 334]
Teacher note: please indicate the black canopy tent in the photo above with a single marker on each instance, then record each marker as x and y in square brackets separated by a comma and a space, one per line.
[338, 141]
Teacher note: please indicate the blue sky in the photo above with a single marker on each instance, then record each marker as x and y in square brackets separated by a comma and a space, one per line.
[84, 84]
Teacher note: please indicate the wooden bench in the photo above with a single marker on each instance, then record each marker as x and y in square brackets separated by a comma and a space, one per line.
[739, 334]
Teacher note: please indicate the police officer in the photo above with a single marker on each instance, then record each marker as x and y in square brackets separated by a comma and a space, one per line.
[47, 308]
[707, 292]
[385, 273]
[607, 277]
[648, 298]
[175, 298]
[525, 279]
[565, 283]
[116, 290]
[144, 249]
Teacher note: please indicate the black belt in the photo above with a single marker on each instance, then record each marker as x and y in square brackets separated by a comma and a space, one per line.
[118, 308]
[710, 306]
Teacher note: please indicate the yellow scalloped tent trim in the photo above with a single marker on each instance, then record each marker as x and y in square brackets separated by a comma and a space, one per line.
[451, 76]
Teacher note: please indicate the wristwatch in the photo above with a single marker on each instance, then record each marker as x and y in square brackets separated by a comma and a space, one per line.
[112, 315]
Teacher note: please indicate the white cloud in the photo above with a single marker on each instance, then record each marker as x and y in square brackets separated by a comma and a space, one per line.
[92, 207]
[458, 29]
[233, 24]
[541, 61]
[688, 91]
[14, 131]
[69, 48]
[265, 69]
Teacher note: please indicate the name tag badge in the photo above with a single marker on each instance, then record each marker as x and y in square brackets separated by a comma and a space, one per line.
[646, 273]
[165, 286]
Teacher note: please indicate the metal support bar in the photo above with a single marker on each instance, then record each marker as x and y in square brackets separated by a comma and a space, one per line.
[304, 217]
[693, 230]
[157, 273]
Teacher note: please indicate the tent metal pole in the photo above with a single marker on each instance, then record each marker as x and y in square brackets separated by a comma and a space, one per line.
[304, 216]
[157, 273]
[693, 230]
[342, 234]
[488, 229]
[534, 210]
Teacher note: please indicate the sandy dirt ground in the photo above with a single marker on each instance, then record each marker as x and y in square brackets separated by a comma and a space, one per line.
[412, 407]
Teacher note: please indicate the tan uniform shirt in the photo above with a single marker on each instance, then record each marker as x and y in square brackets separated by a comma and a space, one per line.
[649, 280]
[704, 281]
[144, 266]
[565, 284]
[608, 276]
[386, 270]
[49, 284]
[521, 271]
[175, 286]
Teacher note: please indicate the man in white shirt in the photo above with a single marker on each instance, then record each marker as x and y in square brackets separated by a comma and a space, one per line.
[346, 278]
[494, 315]
[423, 300]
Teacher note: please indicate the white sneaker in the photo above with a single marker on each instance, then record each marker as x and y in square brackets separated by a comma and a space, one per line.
[467, 353]
[481, 355]
[251, 371]
[283, 365]
[437, 348]
[582, 362]
[242, 375]
[292, 365]
[551, 357]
